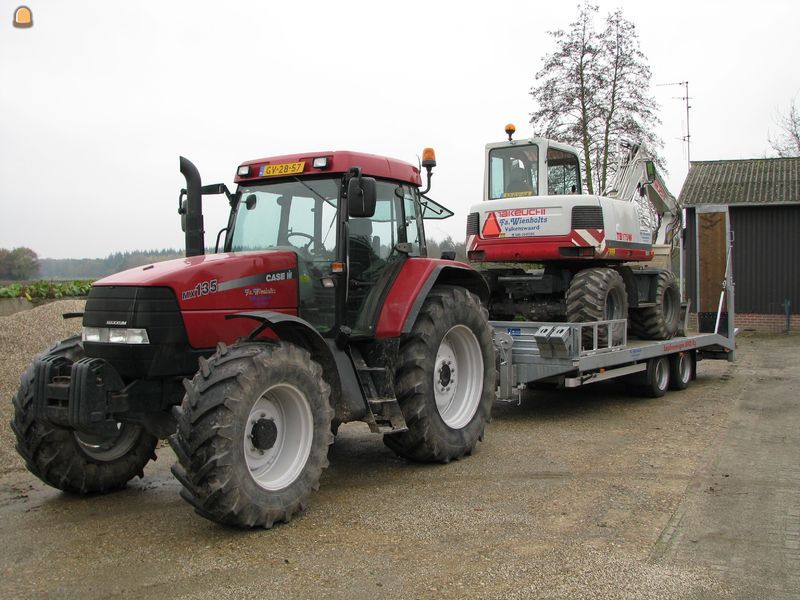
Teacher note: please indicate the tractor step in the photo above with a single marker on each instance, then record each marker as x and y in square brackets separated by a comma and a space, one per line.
[388, 418]
[384, 415]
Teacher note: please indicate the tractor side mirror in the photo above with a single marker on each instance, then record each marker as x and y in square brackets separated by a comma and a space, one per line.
[361, 197]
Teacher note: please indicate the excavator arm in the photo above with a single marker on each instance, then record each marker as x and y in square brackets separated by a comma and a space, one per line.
[637, 180]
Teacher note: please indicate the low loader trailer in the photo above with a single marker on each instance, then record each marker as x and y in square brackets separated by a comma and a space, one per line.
[532, 354]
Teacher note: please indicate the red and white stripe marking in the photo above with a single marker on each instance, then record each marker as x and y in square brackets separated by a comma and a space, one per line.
[589, 237]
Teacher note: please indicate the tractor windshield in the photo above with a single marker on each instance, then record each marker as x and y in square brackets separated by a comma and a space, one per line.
[299, 215]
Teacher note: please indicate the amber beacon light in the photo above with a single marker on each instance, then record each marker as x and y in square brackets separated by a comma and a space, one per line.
[23, 17]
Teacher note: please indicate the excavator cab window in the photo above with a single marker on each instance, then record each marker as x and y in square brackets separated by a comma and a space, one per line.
[563, 173]
[513, 172]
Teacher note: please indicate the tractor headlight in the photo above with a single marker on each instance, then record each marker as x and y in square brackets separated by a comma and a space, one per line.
[91, 334]
[115, 335]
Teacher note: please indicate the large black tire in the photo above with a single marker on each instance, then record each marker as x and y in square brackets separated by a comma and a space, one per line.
[450, 352]
[659, 322]
[597, 294]
[253, 434]
[71, 461]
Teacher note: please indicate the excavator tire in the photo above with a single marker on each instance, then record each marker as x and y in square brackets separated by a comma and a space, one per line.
[253, 434]
[76, 462]
[597, 294]
[445, 380]
[659, 322]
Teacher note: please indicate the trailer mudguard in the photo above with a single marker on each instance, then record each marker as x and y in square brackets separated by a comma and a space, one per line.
[347, 399]
[411, 286]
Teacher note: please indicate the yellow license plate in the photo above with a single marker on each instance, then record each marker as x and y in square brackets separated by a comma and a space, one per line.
[282, 169]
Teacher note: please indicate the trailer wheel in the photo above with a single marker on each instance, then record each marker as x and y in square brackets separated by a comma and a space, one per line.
[659, 322]
[253, 434]
[658, 378]
[597, 295]
[446, 378]
[680, 370]
[72, 461]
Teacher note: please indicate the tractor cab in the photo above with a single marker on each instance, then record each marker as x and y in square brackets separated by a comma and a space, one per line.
[351, 219]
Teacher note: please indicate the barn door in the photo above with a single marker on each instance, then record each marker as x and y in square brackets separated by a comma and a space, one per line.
[714, 270]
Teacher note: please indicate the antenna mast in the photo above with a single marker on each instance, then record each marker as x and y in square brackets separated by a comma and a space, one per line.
[688, 137]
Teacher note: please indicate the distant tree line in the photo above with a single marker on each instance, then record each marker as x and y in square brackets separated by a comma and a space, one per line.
[18, 264]
[92, 268]
[23, 263]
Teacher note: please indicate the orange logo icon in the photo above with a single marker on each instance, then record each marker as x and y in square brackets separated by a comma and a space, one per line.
[23, 17]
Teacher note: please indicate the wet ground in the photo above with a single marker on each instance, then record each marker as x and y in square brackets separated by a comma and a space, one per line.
[591, 493]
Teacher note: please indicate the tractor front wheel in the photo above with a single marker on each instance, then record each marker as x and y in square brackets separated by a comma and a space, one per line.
[73, 461]
[253, 434]
[445, 381]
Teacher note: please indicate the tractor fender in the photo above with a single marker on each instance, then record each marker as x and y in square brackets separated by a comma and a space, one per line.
[412, 285]
[346, 396]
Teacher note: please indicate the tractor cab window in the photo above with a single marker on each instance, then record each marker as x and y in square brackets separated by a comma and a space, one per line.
[514, 172]
[300, 216]
[371, 248]
[563, 173]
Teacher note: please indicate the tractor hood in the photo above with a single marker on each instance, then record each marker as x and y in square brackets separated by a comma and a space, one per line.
[239, 281]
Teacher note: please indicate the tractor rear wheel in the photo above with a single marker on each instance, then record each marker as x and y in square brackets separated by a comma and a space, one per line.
[73, 461]
[597, 295]
[661, 321]
[253, 434]
[445, 379]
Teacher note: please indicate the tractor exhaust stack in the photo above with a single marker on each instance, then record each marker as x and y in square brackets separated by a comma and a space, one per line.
[195, 234]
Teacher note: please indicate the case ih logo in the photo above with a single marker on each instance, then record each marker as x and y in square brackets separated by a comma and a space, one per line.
[279, 275]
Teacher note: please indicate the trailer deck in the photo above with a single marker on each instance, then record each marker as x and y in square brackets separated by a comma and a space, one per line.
[575, 354]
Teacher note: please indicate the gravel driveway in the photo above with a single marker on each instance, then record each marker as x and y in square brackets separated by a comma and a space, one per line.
[590, 493]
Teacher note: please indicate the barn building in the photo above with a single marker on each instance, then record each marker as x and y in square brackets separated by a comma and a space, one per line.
[762, 198]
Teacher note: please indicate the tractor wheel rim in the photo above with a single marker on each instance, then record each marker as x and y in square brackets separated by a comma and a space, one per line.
[458, 377]
[278, 436]
[106, 448]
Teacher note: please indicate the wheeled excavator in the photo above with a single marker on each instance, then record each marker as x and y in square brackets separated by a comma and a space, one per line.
[553, 253]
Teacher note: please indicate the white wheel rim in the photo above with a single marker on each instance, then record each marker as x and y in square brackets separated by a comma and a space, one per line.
[684, 368]
[106, 448]
[661, 374]
[458, 377]
[291, 433]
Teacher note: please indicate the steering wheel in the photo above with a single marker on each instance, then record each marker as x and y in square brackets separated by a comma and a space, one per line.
[305, 235]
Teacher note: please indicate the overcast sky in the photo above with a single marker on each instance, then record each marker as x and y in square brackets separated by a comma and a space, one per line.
[99, 99]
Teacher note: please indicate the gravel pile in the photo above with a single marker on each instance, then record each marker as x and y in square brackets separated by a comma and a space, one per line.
[22, 336]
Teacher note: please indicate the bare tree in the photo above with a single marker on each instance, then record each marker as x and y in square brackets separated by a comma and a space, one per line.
[569, 86]
[787, 143]
[593, 91]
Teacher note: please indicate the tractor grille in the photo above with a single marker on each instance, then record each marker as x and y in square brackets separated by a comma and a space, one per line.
[587, 217]
[152, 308]
[472, 223]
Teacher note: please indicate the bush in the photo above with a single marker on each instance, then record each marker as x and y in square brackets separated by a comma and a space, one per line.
[43, 290]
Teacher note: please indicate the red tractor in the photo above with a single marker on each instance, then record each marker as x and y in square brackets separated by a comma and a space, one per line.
[318, 307]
